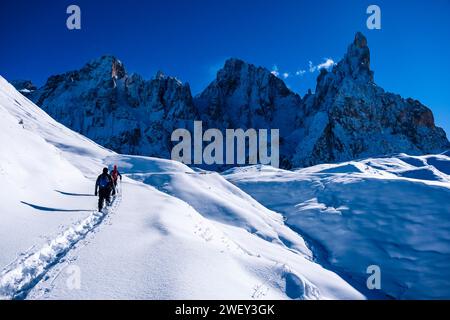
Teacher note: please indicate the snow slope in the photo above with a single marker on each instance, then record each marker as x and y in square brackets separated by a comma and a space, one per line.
[392, 212]
[172, 233]
[41, 190]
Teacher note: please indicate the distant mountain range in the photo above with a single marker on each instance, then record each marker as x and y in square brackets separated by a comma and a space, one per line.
[347, 117]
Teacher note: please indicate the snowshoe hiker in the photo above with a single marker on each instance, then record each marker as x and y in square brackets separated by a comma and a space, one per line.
[103, 187]
[115, 175]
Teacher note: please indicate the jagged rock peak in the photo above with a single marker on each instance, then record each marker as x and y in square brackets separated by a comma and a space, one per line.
[356, 62]
[243, 77]
[234, 66]
[238, 73]
[105, 60]
[107, 65]
[360, 40]
[161, 76]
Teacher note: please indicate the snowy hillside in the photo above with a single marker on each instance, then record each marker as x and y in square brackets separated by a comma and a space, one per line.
[392, 212]
[172, 232]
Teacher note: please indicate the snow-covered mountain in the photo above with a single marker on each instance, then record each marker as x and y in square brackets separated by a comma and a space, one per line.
[347, 117]
[391, 212]
[350, 117]
[172, 233]
[182, 233]
[246, 96]
[121, 112]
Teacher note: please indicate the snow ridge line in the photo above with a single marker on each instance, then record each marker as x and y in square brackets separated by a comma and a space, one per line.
[23, 274]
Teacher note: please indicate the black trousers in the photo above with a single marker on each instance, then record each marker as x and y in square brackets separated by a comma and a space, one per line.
[115, 188]
[103, 194]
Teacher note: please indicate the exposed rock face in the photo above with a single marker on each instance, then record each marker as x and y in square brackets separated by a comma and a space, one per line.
[351, 117]
[245, 96]
[125, 113]
[347, 117]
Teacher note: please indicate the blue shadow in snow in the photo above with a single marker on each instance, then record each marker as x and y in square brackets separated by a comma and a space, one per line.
[75, 194]
[53, 209]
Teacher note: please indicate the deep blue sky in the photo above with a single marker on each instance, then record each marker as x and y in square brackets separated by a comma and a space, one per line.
[191, 39]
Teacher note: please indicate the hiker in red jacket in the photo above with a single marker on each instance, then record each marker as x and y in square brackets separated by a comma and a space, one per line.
[115, 175]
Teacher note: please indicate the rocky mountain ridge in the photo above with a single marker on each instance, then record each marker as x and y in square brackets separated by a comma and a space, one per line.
[347, 117]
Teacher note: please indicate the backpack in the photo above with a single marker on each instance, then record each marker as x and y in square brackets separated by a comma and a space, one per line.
[103, 182]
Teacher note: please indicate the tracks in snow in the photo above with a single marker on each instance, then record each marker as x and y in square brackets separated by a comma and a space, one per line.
[19, 277]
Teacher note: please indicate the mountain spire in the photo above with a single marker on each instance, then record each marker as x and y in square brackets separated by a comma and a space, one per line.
[356, 62]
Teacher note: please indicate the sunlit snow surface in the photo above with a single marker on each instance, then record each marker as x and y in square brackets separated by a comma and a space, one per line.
[176, 233]
[393, 212]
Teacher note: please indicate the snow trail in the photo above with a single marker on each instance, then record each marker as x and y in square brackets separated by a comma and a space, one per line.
[20, 276]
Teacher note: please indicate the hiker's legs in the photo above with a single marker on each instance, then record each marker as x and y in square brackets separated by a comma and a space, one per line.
[104, 194]
[108, 196]
[101, 199]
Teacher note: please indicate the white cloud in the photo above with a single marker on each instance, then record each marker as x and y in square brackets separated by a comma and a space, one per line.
[327, 64]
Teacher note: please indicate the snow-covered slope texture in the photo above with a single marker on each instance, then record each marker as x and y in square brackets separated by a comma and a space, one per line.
[392, 212]
[201, 237]
[347, 117]
[38, 184]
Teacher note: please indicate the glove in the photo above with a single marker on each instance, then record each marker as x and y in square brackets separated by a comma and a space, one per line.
[95, 193]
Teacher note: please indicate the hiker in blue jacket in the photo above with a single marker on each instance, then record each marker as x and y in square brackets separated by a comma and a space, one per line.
[103, 187]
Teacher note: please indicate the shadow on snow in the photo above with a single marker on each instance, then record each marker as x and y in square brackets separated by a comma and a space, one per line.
[53, 209]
